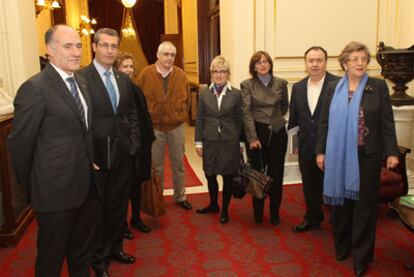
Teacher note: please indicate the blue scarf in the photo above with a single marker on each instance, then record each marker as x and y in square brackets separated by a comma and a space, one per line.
[341, 178]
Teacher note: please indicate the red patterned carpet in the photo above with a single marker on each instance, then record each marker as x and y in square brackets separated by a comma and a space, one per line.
[190, 178]
[184, 243]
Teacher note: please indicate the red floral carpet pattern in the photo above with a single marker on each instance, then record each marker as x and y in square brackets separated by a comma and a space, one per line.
[184, 243]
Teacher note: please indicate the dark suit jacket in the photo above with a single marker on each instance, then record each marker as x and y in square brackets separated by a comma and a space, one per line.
[113, 133]
[378, 115]
[50, 146]
[209, 117]
[300, 115]
[143, 160]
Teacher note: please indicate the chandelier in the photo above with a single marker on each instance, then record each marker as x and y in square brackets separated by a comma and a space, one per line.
[128, 29]
[86, 26]
[47, 4]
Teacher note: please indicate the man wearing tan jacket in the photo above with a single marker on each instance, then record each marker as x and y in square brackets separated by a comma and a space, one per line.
[166, 88]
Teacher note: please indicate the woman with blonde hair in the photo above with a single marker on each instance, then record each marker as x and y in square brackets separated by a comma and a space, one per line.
[217, 132]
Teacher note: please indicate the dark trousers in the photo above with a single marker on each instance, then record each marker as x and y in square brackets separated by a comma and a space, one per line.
[213, 190]
[312, 178]
[135, 198]
[67, 234]
[273, 156]
[116, 185]
[354, 223]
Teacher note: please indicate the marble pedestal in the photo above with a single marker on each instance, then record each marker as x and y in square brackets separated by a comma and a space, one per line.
[404, 122]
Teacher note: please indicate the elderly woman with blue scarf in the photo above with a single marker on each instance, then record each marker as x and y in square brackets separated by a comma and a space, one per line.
[356, 131]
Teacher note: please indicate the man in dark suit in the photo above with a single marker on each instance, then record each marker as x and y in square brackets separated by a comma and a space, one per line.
[305, 107]
[116, 140]
[51, 149]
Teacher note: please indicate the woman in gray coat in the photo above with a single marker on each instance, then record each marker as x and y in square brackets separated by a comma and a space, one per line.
[217, 133]
[265, 102]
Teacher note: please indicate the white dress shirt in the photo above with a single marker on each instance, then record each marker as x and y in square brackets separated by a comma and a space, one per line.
[314, 90]
[64, 76]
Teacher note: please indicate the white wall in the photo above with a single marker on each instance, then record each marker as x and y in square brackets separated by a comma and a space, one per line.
[19, 58]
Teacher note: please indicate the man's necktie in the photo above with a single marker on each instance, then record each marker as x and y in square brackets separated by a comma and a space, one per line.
[110, 89]
[75, 95]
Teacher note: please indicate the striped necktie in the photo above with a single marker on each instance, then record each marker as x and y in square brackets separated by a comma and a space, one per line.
[110, 89]
[75, 94]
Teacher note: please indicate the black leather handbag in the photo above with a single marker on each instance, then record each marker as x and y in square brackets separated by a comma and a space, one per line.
[251, 181]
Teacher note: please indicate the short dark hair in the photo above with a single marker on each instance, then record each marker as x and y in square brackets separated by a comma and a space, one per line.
[316, 48]
[255, 58]
[51, 31]
[106, 31]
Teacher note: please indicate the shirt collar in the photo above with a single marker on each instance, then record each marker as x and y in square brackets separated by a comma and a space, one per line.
[101, 70]
[320, 83]
[62, 73]
[228, 85]
[162, 73]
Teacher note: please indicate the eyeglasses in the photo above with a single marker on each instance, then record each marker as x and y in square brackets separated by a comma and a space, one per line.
[107, 46]
[355, 60]
[219, 72]
[264, 62]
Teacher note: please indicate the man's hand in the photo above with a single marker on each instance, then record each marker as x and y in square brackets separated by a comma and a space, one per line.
[320, 161]
[392, 162]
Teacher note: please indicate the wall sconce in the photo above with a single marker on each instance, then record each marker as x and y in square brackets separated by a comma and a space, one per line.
[85, 26]
[47, 4]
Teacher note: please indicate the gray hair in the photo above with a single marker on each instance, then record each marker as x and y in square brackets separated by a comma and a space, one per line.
[105, 31]
[164, 45]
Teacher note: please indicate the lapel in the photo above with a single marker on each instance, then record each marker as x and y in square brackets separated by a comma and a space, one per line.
[60, 87]
[370, 89]
[121, 87]
[212, 98]
[322, 94]
[83, 89]
[100, 87]
[304, 88]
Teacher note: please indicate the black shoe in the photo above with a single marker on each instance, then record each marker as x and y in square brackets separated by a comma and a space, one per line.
[185, 205]
[360, 269]
[208, 210]
[341, 257]
[127, 234]
[275, 220]
[303, 227]
[124, 258]
[224, 217]
[258, 220]
[101, 273]
[140, 226]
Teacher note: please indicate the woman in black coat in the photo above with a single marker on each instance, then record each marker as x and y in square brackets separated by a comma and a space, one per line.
[356, 130]
[125, 63]
[217, 132]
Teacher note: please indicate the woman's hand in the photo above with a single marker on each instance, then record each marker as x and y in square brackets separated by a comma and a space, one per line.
[392, 162]
[255, 144]
[320, 161]
[199, 151]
